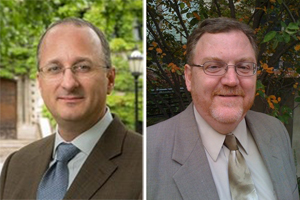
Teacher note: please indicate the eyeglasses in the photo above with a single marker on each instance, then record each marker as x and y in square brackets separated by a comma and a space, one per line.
[219, 68]
[56, 72]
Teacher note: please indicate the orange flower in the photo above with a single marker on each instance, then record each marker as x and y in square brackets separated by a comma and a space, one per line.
[267, 68]
[174, 67]
[154, 44]
[279, 99]
[158, 50]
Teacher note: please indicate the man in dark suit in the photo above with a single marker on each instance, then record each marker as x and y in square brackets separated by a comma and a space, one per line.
[186, 158]
[75, 75]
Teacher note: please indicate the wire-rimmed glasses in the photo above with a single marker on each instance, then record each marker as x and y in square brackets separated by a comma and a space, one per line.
[56, 72]
[219, 68]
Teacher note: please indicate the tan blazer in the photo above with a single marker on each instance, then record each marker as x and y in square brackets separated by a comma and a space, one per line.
[177, 166]
[113, 170]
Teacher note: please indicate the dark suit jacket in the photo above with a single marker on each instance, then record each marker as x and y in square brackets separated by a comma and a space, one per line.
[177, 166]
[113, 170]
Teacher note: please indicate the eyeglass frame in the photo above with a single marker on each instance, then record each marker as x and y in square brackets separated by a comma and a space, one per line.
[41, 70]
[255, 68]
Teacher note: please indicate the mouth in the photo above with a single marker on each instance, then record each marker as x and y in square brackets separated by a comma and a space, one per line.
[226, 95]
[228, 92]
[70, 99]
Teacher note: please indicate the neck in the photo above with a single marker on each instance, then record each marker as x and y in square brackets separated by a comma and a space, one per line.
[69, 130]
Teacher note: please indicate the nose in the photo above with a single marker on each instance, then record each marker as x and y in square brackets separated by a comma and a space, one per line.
[69, 82]
[230, 78]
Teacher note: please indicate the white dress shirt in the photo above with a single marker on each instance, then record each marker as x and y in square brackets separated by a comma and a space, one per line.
[85, 142]
[217, 155]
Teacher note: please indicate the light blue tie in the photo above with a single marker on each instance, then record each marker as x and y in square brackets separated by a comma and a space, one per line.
[54, 183]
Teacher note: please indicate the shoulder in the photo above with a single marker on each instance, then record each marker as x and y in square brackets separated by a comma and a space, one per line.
[258, 116]
[30, 149]
[119, 130]
[261, 119]
[161, 136]
[133, 141]
[170, 125]
[164, 125]
[162, 133]
[118, 135]
[160, 141]
[272, 128]
[183, 117]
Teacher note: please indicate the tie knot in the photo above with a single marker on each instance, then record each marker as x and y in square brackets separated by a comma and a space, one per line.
[230, 142]
[66, 151]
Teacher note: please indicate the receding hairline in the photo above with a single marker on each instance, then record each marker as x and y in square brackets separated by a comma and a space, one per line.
[224, 32]
[219, 25]
[80, 23]
[92, 36]
[90, 30]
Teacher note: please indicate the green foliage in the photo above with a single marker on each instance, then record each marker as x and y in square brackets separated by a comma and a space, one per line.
[122, 101]
[22, 23]
[269, 36]
[120, 45]
[122, 104]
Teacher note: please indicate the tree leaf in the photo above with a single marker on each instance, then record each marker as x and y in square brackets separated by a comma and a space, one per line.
[275, 44]
[194, 21]
[293, 26]
[181, 5]
[269, 36]
[283, 24]
[286, 37]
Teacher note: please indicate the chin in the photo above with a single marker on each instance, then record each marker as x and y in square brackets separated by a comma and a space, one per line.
[70, 116]
[227, 115]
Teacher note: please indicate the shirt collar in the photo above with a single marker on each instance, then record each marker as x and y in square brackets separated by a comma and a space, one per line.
[213, 141]
[86, 141]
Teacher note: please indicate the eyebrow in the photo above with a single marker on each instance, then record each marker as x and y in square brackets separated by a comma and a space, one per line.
[77, 60]
[245, 59]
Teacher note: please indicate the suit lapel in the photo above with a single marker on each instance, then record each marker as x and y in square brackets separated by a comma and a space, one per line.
[37, 166]
[268, 148]
[194, 178]
[98, 167]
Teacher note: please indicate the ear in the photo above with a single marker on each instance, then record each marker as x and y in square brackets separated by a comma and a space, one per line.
[38, 77]
[188, 76]
[111, 74]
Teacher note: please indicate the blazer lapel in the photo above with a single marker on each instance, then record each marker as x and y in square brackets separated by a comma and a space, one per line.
[194, 178]
[39, 163]
[98, 167]
[268, 147]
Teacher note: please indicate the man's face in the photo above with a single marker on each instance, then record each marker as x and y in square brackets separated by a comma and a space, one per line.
[73, 98]
[222, 100]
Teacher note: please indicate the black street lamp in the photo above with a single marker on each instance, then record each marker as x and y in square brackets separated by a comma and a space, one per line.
[136, 68]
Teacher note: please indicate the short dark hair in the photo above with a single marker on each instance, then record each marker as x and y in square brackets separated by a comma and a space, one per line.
[80, 23]
[218, 25]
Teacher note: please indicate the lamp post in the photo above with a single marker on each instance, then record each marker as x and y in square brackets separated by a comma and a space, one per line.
[136, 68]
